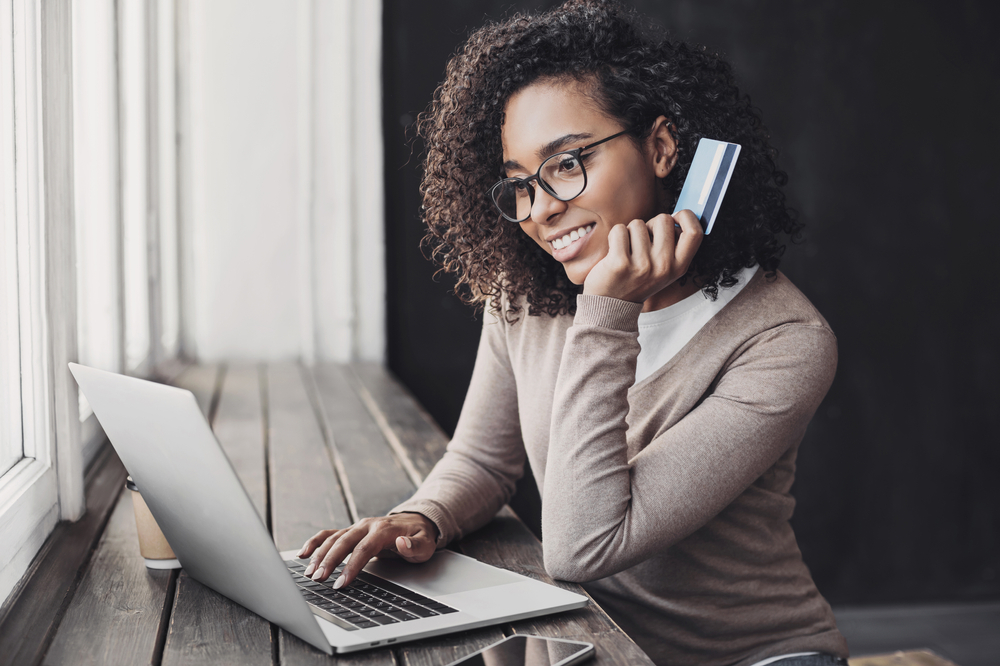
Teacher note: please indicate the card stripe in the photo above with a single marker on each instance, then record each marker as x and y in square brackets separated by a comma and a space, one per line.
[718, 187]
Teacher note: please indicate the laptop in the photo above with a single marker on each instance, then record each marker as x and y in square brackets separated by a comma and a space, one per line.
[205, 513]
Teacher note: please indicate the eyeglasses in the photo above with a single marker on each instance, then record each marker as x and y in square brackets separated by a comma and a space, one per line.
[562, 176]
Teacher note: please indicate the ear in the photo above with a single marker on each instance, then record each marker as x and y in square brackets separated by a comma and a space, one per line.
[662, 147]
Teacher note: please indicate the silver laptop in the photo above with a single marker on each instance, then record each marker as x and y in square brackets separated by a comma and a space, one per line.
[193, 492]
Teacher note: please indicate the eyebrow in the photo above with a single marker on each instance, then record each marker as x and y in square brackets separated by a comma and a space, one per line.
[550, 148]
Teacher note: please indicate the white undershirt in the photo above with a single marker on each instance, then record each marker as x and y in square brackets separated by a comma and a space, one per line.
[663, 333]
[771, 660]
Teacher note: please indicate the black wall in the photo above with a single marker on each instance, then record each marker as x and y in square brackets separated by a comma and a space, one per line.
[885, 115]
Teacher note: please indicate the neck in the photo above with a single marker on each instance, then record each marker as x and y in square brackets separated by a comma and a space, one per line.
[672, 293]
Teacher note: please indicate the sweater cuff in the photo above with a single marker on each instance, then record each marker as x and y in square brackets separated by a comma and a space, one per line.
[608, 312]
[434, 512]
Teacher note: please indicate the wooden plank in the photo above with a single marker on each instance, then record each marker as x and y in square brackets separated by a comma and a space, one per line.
[204, 381]
[205, 626]
[239, 427]
[372, 476]
[399, 415]
[117, 613]
[30, 617]
[305, 494]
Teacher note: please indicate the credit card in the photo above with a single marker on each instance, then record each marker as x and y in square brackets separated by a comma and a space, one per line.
[707, 180]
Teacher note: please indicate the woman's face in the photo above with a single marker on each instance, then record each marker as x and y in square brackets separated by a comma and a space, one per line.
[622, 179]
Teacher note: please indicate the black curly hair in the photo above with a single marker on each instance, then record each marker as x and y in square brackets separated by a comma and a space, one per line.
[635, 75]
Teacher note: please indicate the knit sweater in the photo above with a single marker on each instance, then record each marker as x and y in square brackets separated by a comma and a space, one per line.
[668, 499]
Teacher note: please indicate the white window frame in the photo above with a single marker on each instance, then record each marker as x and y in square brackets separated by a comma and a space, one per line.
[47, 484]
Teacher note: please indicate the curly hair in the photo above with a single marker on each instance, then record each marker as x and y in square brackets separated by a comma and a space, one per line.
[635, 75]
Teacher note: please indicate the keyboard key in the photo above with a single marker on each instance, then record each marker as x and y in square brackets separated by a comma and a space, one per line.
[402, 615]
[421, 611]
[384, 619]
[364, 624]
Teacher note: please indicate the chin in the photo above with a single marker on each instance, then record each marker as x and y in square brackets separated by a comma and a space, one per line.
[577, 277]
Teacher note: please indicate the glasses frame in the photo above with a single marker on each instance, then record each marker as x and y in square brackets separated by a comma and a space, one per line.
[576, 152]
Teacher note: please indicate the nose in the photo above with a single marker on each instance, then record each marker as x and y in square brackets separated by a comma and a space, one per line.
[545, 208]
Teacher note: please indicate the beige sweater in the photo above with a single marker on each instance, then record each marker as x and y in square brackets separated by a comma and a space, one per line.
[668, 499]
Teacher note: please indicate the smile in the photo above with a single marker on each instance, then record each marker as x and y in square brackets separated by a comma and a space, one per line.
[572, 237]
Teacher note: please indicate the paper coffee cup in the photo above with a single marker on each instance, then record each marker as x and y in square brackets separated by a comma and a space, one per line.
[153, 545]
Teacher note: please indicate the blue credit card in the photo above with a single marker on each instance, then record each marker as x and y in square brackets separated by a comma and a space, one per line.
[707, 180]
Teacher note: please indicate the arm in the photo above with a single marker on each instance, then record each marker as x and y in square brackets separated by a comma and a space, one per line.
[602, 513]
[485, 458]
[467, 487]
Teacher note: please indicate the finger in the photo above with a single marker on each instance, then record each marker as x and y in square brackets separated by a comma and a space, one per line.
[335, 549]
[312, 542]
[689, 241]
[365, 550]
[415, 548]
[662, 229]
[321, 550]
[641, 246]
[618, 247]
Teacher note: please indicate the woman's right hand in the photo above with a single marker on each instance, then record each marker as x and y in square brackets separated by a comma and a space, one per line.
[410, 536]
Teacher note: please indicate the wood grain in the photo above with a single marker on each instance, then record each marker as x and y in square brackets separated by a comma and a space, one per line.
[239, 427]
[115, 616]
[203, 381]
[29, 621]
[399, 413]
[305, 494]
[208, 628]
[375, 479]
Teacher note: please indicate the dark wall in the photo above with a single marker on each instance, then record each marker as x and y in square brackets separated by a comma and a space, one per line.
[885, 116]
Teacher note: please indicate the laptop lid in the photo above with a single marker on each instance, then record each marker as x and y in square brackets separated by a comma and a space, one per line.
[196, 497]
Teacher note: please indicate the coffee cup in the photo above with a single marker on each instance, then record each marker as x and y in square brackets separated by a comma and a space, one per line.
[153, 545]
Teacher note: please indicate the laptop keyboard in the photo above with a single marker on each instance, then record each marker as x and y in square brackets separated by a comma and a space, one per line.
[368, 602]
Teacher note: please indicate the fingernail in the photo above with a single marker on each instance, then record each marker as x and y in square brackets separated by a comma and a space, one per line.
[340, 582]
[310, 568]
[318, 574]
[409, 544]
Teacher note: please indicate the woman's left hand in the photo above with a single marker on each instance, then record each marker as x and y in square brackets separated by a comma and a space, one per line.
[636, 267]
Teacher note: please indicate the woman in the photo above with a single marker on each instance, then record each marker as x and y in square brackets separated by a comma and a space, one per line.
[658, 381]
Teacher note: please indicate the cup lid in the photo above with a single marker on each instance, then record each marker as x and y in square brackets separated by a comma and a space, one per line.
[130, 484]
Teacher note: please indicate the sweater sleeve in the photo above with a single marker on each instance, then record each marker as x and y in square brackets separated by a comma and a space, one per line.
[485, 458]
[603, 513]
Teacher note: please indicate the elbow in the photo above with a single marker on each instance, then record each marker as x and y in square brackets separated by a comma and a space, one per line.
[572, 565]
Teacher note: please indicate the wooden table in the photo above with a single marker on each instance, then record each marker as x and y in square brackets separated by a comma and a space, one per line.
[315, 448]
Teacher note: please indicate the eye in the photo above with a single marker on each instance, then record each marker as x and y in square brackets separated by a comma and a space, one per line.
[568, 164]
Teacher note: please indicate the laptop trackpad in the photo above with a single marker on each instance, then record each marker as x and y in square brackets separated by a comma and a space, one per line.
[445, 573]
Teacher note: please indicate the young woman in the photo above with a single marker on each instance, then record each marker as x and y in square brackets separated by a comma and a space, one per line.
[658, 380]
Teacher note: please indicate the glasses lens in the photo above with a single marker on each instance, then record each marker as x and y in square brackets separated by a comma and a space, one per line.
[563, 173]
[513, 197]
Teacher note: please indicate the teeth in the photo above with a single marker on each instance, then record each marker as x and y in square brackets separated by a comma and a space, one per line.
[572, 236]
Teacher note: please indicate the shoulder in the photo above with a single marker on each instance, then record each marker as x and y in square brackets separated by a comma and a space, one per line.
[772, 322]
[768, 302]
